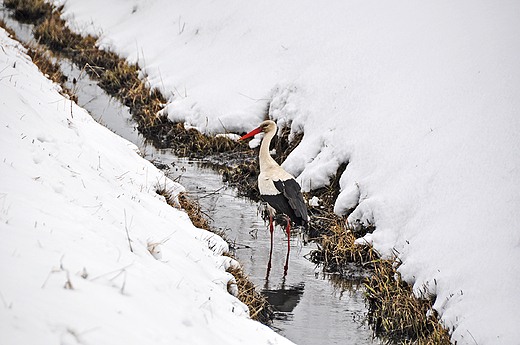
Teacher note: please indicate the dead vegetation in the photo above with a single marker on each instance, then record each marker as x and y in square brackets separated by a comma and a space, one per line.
[395, 314]
[337, 251]
[29, 11]
[47, 66]
[117, 77]
[192, 143]
[194, 211]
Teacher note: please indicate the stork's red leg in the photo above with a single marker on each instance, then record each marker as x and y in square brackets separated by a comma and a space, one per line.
[288, 235]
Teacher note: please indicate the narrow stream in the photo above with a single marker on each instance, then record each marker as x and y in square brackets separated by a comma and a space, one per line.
[311, 307]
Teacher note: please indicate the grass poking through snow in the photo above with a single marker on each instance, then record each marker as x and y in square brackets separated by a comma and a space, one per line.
[395, 314]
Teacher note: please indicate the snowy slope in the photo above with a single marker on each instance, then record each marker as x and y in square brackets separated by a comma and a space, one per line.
[72, 195]
[420, 97]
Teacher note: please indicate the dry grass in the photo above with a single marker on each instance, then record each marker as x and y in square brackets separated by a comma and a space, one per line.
[192, 143]
[194, 212]
[396, 314]
[51, 69]
[53, 33]
[118, 78]
[121, 80]
[337, 250]
[29, 11]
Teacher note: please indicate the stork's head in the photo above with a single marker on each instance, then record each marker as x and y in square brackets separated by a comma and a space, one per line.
[267, 126]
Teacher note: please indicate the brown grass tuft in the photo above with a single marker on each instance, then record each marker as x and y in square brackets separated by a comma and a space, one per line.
[29, 11]
[192, 143]
[337, 251]
[194, 212]
[396, 314]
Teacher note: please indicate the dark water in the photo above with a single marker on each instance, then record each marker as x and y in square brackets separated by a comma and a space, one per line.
[311, 307]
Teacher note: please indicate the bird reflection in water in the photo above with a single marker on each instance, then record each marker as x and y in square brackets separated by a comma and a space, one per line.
[285, 267]
[285, 299]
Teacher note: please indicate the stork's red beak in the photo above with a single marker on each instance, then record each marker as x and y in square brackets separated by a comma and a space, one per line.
[250, 134]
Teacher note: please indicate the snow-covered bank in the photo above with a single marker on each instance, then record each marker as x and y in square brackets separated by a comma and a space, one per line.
[72, 196]
[421, 98]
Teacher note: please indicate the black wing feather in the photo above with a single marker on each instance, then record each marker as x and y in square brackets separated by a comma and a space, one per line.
[289, 201]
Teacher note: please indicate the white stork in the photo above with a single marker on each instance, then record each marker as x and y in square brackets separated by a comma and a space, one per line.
[277, 187]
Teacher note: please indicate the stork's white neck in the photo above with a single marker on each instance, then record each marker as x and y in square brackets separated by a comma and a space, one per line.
[265, 158]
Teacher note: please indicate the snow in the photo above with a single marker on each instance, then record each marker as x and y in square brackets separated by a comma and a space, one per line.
[90, 253]
[419, 97]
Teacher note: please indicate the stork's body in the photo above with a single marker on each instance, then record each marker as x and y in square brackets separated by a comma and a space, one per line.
[277, 187]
